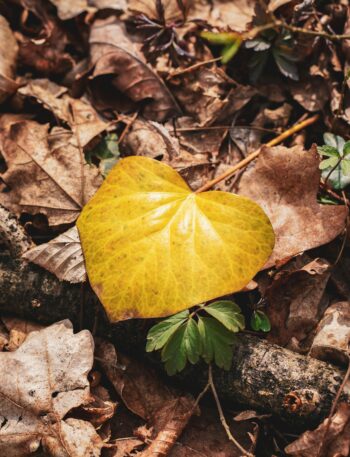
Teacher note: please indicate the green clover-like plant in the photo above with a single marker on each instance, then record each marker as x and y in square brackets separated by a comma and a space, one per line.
[336, 165]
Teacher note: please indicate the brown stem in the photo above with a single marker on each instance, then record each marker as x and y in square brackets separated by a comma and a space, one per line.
[254, 155]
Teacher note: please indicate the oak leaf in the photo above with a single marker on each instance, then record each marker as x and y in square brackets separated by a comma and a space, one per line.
[153, 248]
[44, 379]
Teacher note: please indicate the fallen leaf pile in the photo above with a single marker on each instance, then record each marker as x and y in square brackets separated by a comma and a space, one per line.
[112, 113]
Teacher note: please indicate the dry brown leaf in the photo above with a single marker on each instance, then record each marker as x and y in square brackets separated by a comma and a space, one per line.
[172, 12]
[67, 9]
[331, 342]
[285, 182]
[8, 57]
[18, 330]
[227, 14]
[77, 113]
[296, 301]
[337, 439]
[41, 382]
[53, 159]
[62, 256]
[145, 394]
[312, 94]
[205, 436]
[114, 53]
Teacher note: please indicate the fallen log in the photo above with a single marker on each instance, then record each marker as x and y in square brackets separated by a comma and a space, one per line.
[264, 376]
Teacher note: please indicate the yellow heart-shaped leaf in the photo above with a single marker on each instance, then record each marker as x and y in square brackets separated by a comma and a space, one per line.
[153, 247]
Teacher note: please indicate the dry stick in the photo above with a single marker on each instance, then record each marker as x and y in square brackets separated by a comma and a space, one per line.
[254, 155]
[127, 127]
[181, 71]
[222, 417]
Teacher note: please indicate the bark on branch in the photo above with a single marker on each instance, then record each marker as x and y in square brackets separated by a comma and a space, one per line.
[296, 388]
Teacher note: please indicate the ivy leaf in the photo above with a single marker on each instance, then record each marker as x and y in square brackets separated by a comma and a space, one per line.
[185, 344]
[228, 313]
[217, 342]
[149, 241]
[160, 333]
[260, 322]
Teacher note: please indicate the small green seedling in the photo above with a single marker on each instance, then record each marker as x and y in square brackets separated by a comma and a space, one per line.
[336, 166]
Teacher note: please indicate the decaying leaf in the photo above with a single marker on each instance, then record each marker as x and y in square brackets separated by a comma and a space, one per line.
[281, 179]
[8, 56]
[296, 301]
[67, 9]
[18, 330]
[114, 53]
[53, 159]
[165, 410]
[62, 256]
[41, 382]
[336, 443]
[172, 9]
[153, 248]
[77, 113]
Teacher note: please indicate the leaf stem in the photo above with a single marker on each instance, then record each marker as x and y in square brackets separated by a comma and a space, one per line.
[254, 155]
[222, 417]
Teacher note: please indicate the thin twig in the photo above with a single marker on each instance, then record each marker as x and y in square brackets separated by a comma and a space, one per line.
[127, 127]
[254, 155]
[222, 417]
[181, 71]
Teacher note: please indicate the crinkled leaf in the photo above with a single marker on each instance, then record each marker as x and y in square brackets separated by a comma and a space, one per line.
[160, 333]
[259, 321]
[153, 248]
[217, 342]
[228, 313]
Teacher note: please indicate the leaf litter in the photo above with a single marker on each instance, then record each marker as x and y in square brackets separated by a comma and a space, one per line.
[80, 78]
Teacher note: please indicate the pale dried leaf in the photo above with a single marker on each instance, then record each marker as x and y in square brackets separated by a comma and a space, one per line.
[114, 53]
[53, 159]
[172, 12]
[18, 330]
[280, 179]
[77, 113]
[62, 256]
[8, 57]
[68, 9]
[41, 382]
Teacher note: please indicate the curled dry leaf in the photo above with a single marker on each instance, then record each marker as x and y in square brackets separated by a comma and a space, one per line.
[41, 382]
[67, 9]
[33, 154]
[166, 411]
[77, 113]
[8, 57]
[336, 441]
[280, 179]
[296, 301]
[331, 342]
[114, 53]
[62, 256]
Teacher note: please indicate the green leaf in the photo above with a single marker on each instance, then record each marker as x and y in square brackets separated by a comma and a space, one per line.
[217, 342]
[328, 151]
[230, 51]
[160, 333]
[345, 167]
[107, 152]
[185, 344]
[329, 163]
[221, 38]
[228, 313]
[259, 321]
[346, 149]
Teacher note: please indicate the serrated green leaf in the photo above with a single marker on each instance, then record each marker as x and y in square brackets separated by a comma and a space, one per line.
[160, 333]
[217, 342]
[329, 163]
[328, 151]
[228, 313]
[346, 149]
[185, 344]
[259, 321]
